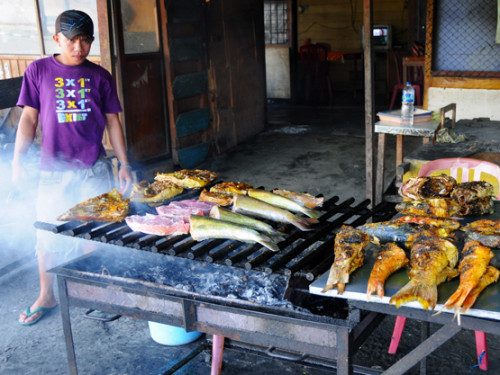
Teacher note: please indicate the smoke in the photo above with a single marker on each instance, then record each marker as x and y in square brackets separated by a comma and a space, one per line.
[17, 233]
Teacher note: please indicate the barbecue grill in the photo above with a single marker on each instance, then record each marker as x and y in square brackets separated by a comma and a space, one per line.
[223, 287]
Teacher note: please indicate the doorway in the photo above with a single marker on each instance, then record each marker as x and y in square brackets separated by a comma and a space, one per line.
[140, 71]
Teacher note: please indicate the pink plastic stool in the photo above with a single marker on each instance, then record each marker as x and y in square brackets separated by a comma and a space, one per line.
[481, 346]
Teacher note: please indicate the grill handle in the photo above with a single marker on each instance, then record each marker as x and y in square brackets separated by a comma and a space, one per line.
[271, 351]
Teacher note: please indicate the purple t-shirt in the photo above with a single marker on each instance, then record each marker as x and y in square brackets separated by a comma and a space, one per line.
[72, 102]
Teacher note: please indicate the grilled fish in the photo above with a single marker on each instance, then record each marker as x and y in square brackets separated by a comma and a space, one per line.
[389, 259]
[429, 221]
[282, 202]
[305, 199]
[223, 214]
[420, 188]
[433, 260]
[475, 260]
[255, 207]
[485, 231]
[389, 231]
[484, 226]
[155, 192]
[489, 277]
[438, 207]
[349, 250]
[468, 192]
[202, 228]
[478, 207]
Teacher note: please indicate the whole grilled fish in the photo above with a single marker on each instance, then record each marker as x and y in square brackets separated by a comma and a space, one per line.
[489, 277]
[474, 197]
[419, 188]
[223, 214]
[433, 260]
[349, 250]
[255, 207]
[475, 260]
[478, 207]
[438, 207]
[389, 259]
[468, 192]
[485, 231]
[429, 221]
[389, 231]
[305, 199]
[202, 228]
[283, 202]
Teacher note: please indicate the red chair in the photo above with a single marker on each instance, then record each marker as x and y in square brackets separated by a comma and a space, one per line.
[399, 86]
[469, 170]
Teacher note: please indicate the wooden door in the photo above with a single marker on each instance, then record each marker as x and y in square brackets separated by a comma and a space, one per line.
[187, 82]
[140, 73]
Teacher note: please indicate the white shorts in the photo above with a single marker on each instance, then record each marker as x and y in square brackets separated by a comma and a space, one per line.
[58, 191]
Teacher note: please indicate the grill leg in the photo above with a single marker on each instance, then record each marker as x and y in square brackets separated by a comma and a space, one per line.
[66, 323]
[217, 352]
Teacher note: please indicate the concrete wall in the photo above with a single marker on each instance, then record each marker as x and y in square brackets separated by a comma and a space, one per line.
[471, 103]
[278, 72]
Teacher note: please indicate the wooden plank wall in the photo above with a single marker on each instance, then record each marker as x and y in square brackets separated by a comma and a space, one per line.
[14, 66]
[338, 22]
[237, 79]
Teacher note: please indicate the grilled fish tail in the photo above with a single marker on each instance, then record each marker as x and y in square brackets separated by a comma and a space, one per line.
[489, 277]
[338, 277]
[416, 290]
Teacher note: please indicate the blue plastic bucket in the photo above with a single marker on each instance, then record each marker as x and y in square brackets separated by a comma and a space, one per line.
[171, 335]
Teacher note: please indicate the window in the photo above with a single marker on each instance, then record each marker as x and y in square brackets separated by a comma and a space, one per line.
[140, 31]
[276, 26]
[20, 32]
[18, 28]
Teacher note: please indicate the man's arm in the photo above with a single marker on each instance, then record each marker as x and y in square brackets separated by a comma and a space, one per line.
[26, 131]
[118, 143]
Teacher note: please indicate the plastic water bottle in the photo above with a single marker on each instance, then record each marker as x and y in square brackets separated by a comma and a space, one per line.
[407, 104]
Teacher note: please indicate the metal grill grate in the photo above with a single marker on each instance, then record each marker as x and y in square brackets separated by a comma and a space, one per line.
[276, 22]
[464, 39]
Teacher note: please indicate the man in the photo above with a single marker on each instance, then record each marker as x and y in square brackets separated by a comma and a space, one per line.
[75, 100]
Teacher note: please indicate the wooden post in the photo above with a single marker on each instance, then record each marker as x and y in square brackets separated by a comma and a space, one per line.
[369, 99]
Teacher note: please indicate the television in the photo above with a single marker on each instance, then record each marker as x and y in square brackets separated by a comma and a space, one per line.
[381, 37]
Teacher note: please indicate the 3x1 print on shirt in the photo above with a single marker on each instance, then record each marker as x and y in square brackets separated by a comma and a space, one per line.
[71, 104]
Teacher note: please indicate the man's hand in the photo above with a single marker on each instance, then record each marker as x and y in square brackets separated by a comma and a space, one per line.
[124, 178]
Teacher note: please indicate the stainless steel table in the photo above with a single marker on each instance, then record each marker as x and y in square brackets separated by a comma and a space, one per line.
[484, 316]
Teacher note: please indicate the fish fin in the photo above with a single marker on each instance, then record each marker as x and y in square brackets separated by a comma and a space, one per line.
[269, 244]
[336, 278]
[313, 213]
[328, 287]
[457, 299]
[415, 290]
[277, 237]
[302, 223]
[375, 286]
[340, 288]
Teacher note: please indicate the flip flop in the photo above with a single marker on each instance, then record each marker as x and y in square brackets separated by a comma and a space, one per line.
[41, 310]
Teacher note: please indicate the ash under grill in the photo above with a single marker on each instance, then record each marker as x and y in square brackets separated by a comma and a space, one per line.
[302, 254]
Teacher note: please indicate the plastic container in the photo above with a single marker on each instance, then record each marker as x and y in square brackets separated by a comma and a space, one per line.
[171, 335]
[407, 104]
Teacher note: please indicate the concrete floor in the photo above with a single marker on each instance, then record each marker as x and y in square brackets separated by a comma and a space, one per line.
[317, 150]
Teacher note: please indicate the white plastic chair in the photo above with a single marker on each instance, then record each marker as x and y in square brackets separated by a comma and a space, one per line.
[469, 170]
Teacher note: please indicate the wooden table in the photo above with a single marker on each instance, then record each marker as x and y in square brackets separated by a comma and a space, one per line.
[423, 129]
